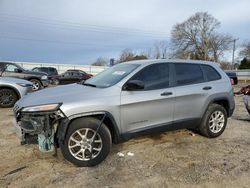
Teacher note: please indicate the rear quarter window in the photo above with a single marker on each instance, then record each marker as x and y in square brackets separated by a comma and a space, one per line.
[210, 73]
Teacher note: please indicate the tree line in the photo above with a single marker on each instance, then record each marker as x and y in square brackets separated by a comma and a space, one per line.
[196, 38]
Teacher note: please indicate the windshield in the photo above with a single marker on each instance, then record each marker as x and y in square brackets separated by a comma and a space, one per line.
[111, 76]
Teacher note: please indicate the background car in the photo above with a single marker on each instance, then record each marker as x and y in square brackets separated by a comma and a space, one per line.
[50, 71]
[233, 77]
[71, 76]
[12, 89]
[38, 79]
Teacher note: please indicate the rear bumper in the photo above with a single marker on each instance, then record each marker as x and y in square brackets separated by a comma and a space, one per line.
[231, 107]
[230, 112]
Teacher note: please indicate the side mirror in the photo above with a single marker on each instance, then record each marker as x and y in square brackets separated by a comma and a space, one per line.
[18, 70]
[133, 85]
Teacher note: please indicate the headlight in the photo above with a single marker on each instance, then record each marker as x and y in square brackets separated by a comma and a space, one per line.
[44, 77]
[24, 85]
[41, 108]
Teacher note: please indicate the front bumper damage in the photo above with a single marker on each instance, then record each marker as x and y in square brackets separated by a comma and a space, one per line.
[38, 128]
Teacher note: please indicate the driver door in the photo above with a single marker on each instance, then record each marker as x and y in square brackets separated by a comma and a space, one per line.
[152, 106]
[12, 70]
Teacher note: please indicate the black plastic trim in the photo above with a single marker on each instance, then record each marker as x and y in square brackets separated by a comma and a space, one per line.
[155, 129]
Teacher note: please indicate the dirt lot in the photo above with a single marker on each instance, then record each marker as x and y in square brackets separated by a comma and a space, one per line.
[173, 159]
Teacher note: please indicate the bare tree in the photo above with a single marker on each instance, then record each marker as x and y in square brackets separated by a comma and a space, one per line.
[129, 55]
[245, 52]
[126, 55]
[101, 61]
[225, 65]
[160, 49]
[219, 44]
[196, 38]
[148, 53]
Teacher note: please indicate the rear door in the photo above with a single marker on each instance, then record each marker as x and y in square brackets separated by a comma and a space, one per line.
[192, 92]
[152, 106]
[65, 78]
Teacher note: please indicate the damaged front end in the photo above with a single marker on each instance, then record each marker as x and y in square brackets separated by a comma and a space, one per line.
[38, 125]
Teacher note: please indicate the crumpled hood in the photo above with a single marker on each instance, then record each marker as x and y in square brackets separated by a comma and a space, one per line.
[60, 94]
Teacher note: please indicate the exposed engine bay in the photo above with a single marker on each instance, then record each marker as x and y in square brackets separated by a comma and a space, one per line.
[39, 128]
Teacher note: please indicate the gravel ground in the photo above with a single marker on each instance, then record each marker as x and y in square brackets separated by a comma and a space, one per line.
[173, 159]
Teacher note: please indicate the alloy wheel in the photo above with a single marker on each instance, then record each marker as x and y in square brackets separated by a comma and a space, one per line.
[81, 144]
[216, 121]
[6, 97]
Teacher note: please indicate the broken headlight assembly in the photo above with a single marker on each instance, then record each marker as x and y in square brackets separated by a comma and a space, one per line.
[40, 122]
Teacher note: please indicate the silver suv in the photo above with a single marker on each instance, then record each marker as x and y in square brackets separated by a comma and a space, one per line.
[12, 89]
[124, 101]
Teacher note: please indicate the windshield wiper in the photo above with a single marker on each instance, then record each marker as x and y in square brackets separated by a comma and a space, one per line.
[91, 85]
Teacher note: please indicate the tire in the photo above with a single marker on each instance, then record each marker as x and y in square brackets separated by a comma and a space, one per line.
[36, 84]
[56, 82]
[102, 143]
[8, 98]
[214, 121]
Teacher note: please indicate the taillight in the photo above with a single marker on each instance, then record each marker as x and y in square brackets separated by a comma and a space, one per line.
[232, 81]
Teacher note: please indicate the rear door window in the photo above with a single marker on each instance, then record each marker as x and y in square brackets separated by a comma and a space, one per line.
[187, 73]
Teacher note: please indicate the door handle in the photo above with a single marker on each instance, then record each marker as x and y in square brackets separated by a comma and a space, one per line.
[166, 93]
[207, 88]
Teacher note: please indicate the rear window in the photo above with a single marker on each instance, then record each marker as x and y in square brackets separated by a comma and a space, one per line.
[52, 70]
[210, 73]
[187, 73]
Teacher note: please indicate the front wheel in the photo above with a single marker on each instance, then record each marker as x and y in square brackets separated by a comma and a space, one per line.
[8, 98]
[81, 148]
[36, 84]
[214, 121]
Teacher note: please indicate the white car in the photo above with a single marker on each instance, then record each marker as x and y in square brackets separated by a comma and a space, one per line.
[12, 89]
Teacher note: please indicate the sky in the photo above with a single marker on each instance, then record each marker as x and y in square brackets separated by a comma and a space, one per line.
[80, 31]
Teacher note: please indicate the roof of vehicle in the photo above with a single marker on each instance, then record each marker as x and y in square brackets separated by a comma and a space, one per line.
[230, 73]
[76, 70]
[149, 61]
[7, 62]
[44, 67]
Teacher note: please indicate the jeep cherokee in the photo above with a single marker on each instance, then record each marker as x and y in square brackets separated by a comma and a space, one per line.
[124, 101]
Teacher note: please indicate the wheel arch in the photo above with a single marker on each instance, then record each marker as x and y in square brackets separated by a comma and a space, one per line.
[223, 101]
[109, 121]
[12, 88]
[35, 78]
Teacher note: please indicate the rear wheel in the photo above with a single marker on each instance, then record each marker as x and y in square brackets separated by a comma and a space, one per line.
[214, 121]
[36, 84]
[8, 98]
[81, 148]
